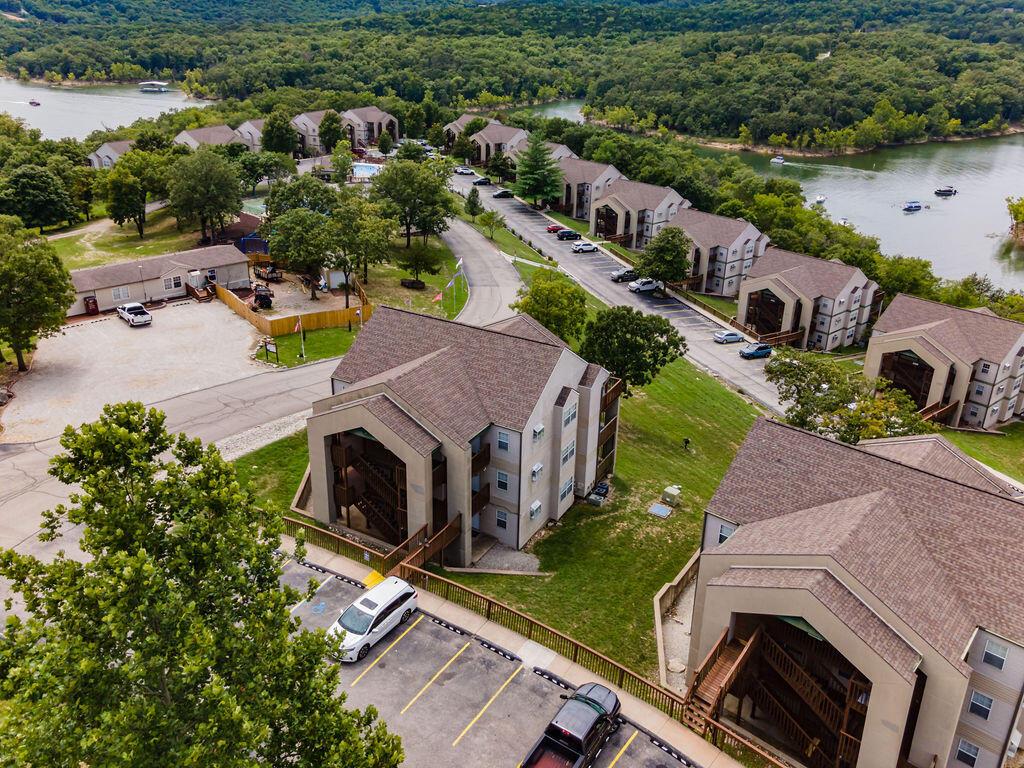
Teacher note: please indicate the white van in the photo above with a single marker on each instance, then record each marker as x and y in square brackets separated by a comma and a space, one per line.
[372, 615]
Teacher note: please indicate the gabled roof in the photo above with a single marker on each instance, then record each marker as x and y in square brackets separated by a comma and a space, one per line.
[577, 171]
[392, 415]
[116, 147]
[967, 333]
[369, 114]
[812, 276]
[313, 117]
[709, 230]
[459, 123]
[212, 134]
[496, 133]
[125, 273]
[638, 196]
[942, 555]
[256, 123]
[460, 377]
[525, 327]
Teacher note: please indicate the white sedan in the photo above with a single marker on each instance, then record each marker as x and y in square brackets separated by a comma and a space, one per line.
[583, 247]
[646, 285]
[134, 314]
[462, 170]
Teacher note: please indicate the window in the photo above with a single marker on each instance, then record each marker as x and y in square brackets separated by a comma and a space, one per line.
[985, 367]
[534, 509]
[974, 411]
[172, 282]
[502, 480]
[566, 490]
[967, 753]
[725, 531]
[535, 473]
[568, 452]
[979, 390]
[502, 520]
[570, 415]
[981, 705]
[538, 432]
[995, 654]
[502, 441]
[120, 294]
[211, 275]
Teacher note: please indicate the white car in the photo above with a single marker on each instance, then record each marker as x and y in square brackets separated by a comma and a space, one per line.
[583, 247]
[134, 314]
[646, 285]
[462, 170]
[371, 616]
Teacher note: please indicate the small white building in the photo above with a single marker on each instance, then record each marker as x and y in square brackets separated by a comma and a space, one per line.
[108, 153]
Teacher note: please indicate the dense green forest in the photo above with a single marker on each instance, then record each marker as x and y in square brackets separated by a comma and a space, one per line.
[804, 73]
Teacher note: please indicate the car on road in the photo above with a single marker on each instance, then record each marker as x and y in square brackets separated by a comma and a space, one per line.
[552, 228]
[134, 314]
[755, 350]
[371, 616]
[583, 246]
[728, 337]
[483, 181]
[568, 234]
[624, 275]
[502, 194]
[646, 285]
[577, 733]
[462, 170]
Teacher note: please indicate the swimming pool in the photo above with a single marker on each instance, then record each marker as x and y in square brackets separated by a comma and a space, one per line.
[365, 170]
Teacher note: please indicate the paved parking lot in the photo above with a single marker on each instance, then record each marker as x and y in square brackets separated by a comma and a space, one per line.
[592, 271]
[453, 698]
[189, 346]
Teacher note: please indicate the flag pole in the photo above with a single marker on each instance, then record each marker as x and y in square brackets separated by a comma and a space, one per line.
[302, 339]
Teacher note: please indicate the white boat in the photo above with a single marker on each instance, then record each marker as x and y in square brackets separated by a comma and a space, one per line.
[778, 160]
[819, 199]
[153, 86]
[844, 222]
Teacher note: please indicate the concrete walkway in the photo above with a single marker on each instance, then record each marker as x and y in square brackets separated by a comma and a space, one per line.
[675, 734]
[493, 282]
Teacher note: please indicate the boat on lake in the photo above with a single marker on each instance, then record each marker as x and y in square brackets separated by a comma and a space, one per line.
[153, 86]
[819, 199]
[778, 160]
[34, 103]
[912, 206]
[945, 191]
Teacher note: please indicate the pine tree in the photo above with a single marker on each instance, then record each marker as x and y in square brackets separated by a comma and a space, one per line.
[537, 173]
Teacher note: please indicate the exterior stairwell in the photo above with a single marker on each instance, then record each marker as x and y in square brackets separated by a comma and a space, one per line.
[715, 677]
[380, 500]
[377, 516]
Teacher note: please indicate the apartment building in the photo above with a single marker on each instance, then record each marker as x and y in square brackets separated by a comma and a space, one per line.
[632, 213]
[861, 603]
[307, 125]
[831, 303]
[455, 128]
[210, 135]
[250, 133]
[584, 181]
[108, 153]
[365, 125]
[495, 138]
[431, 419]
[965, 365]
[558, 151]
[724, 249]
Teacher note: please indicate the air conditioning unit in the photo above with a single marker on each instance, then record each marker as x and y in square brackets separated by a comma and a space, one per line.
[535, 472]
[534, 509]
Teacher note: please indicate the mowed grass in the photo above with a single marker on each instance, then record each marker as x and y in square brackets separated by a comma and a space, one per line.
[320, 344]
[91, 249]
[385, 283]
[274, 471]
[609, 562]
[722, 304]
[1004, 453]
[503, 238]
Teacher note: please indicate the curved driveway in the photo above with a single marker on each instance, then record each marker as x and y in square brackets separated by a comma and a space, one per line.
[493, 281]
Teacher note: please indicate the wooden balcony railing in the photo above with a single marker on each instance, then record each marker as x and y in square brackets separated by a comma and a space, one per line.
[481, 459]
[612, 391]
[377, 482]
[805, 686]
[709, 661]
[344, 495]
[481, 498]
[741, 661]
[810, 746]
[848, 749]
[607, 431]
[745, 751]
[604, 466]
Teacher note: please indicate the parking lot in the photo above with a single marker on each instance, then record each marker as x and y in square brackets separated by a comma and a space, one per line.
[101, 360]
[452, 697]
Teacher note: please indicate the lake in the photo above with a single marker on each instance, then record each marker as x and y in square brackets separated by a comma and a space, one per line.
[568, 109]
[75, 112]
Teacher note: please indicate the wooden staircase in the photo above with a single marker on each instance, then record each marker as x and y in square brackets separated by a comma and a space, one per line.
[377, 515]
[701, 704]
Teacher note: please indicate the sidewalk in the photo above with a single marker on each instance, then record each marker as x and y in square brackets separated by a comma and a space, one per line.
[673, 733]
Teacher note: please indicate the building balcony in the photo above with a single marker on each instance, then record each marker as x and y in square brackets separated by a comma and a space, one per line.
[439, 474]
[604, 466]
[481, 459]
[612, 390]
[607, 431]
[481, 498]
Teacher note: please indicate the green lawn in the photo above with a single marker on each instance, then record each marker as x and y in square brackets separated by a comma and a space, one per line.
[504, 239]
[1004, 453]
[91, 249]
[608, 563]
[722, 304]
[273, 472]
[322, 343]
[384, 285]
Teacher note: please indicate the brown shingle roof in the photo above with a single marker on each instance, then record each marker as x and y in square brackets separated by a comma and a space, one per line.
[576, 171]
[526, 327]
[814, 277]
[639, 196]
[314, 117]
[370, 114]
[125, 273]
[256, 123]
[968, 334]
[392, 415]
[117, 147]
[943, 555]
[496, 133]
[461, 378]
[708, 229]
[590, 375]
[459, 124]
[213, 134]
[843, 604]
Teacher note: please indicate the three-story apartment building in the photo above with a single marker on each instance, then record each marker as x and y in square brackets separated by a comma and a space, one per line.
[584, 181]
[723, 251]
[632, 212]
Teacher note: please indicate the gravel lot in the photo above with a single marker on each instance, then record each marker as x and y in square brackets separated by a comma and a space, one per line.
[188, 347]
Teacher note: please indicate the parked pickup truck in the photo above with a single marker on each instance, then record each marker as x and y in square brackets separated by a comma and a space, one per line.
[577, 734]
[267, 272]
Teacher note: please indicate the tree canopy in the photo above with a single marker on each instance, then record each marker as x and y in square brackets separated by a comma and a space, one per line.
[666, 257]
[416, 194]
[554, 301]
[204, 189]
[631, 344]
[538, 176]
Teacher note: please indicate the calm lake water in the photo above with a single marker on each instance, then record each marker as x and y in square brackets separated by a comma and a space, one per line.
[569, 109]
[76, 112]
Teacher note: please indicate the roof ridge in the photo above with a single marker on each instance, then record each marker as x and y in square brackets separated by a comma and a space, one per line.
[958, 309]
[486, 328]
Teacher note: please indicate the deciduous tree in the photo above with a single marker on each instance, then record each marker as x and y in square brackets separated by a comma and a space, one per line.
[473, 206]
[278, 133]
[306, 191]
[171, 643]
[204, 188]
[416, 194]
[129, 184]
[37, 196]
[501, 165]
[492, 221]
[554, 301]
[666, 257]
[385, 142]
[330, 131]
[632, 345]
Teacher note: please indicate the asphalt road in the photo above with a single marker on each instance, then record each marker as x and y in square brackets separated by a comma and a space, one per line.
[592, 271]
[493, 282]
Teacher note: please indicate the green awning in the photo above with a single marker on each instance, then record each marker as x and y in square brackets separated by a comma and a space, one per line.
[800, 624]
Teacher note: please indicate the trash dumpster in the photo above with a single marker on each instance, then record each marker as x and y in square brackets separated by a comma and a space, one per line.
[92, 306]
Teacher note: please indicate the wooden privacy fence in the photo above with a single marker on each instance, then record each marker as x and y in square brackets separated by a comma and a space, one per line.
[311, 321]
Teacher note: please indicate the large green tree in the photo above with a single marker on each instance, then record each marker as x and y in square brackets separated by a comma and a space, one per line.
[416, 194]
[135, 177]
[330, 131]
[538, 176]
[306, 191]
[254, 167]
[172, 643]
[556, 302]
[305, 241]
[666, 257]
[278, 133]
[364, 237]
[631, 344]
[37, 289]
[204, 189]
[37, 196]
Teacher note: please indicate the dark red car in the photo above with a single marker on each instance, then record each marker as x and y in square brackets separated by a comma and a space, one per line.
[552, 228]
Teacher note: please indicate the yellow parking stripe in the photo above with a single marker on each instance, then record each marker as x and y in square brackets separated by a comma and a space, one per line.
[373, 579]
[488, 704]
[624, 748]
[430, 682]
[386, 650]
